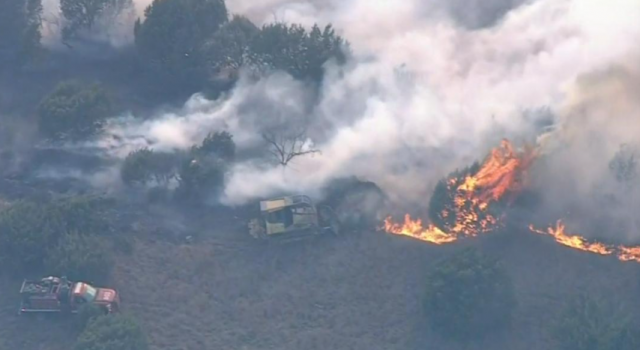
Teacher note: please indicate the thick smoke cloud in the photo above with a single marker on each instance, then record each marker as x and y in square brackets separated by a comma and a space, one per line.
[423, 95]
[591, 175]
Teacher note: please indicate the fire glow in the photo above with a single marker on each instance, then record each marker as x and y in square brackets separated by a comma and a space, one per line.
[502, 174]
[500, 178]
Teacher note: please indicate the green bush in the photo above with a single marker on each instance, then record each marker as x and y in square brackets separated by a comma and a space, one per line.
[79, 257]
[112, 332]
[144, 166]
[29, 230]
[219, 145]
[26, 230]
[74, 110]
[468, 296]
[87, 313]
[588, 324]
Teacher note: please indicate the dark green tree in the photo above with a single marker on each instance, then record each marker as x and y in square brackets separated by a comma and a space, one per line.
[74, 110]
[292, 49]
[590, 324]
[171, 37]
[112, 332]
[79, 257]
[144, 166]
[468, 296]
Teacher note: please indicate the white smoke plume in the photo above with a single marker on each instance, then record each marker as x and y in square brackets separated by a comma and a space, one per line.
[426, 92]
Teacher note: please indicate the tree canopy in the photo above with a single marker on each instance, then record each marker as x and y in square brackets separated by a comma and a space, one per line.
[291, 48]
[170, 38]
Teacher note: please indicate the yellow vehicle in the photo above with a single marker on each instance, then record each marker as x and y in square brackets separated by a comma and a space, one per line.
[293, 217]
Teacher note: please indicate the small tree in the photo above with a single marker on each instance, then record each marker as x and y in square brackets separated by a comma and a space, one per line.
[144, 166]
[287, 144]
[201, 178]
[112, 332]
[468, 296]
[588, 324]
[219, 145]
[74, 110]
[80, 257]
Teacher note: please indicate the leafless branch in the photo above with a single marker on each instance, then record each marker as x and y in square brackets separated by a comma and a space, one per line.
[285, 147]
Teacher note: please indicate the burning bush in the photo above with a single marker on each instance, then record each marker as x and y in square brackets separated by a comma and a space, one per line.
[468, 296]
[589, 324]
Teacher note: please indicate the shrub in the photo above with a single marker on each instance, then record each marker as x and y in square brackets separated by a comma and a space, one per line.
[144, 166]
[112, 332]
[81, 258]
[88, 313]
[26, 230]
[218, 144]
[74, 110]
[588, 324]
[29, 230]
[468, 296]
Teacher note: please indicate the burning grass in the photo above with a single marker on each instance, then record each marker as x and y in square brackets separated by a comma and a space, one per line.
[473, 202]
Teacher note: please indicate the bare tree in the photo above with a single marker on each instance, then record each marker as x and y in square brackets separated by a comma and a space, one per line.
[285, 145]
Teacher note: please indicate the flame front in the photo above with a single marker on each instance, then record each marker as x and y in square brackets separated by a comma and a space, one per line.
[573, 241]
[469, 198]
[414, 228]
[629, 253]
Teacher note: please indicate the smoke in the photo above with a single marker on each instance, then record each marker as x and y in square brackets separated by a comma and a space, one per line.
[591, 177]
[113, 28]
[425, 92]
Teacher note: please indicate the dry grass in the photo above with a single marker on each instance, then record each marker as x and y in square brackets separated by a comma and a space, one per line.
[361, 291]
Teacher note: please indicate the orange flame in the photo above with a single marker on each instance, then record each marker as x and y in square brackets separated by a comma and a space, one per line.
[573, 241]
[502, 172]
[629, 253]
[413, 228]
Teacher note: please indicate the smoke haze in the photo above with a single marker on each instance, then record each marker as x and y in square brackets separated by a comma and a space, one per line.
[431, 87]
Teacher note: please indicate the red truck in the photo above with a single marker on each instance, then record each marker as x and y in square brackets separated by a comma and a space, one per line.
[58, 295]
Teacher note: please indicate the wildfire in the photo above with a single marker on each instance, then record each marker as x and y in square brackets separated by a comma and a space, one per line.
[463, 206]
[414, 228]
[623, 253]
[629, 253]
[573, 241]
[468, 198]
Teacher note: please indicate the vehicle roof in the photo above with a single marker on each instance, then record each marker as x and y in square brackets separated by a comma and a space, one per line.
[282, 202]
